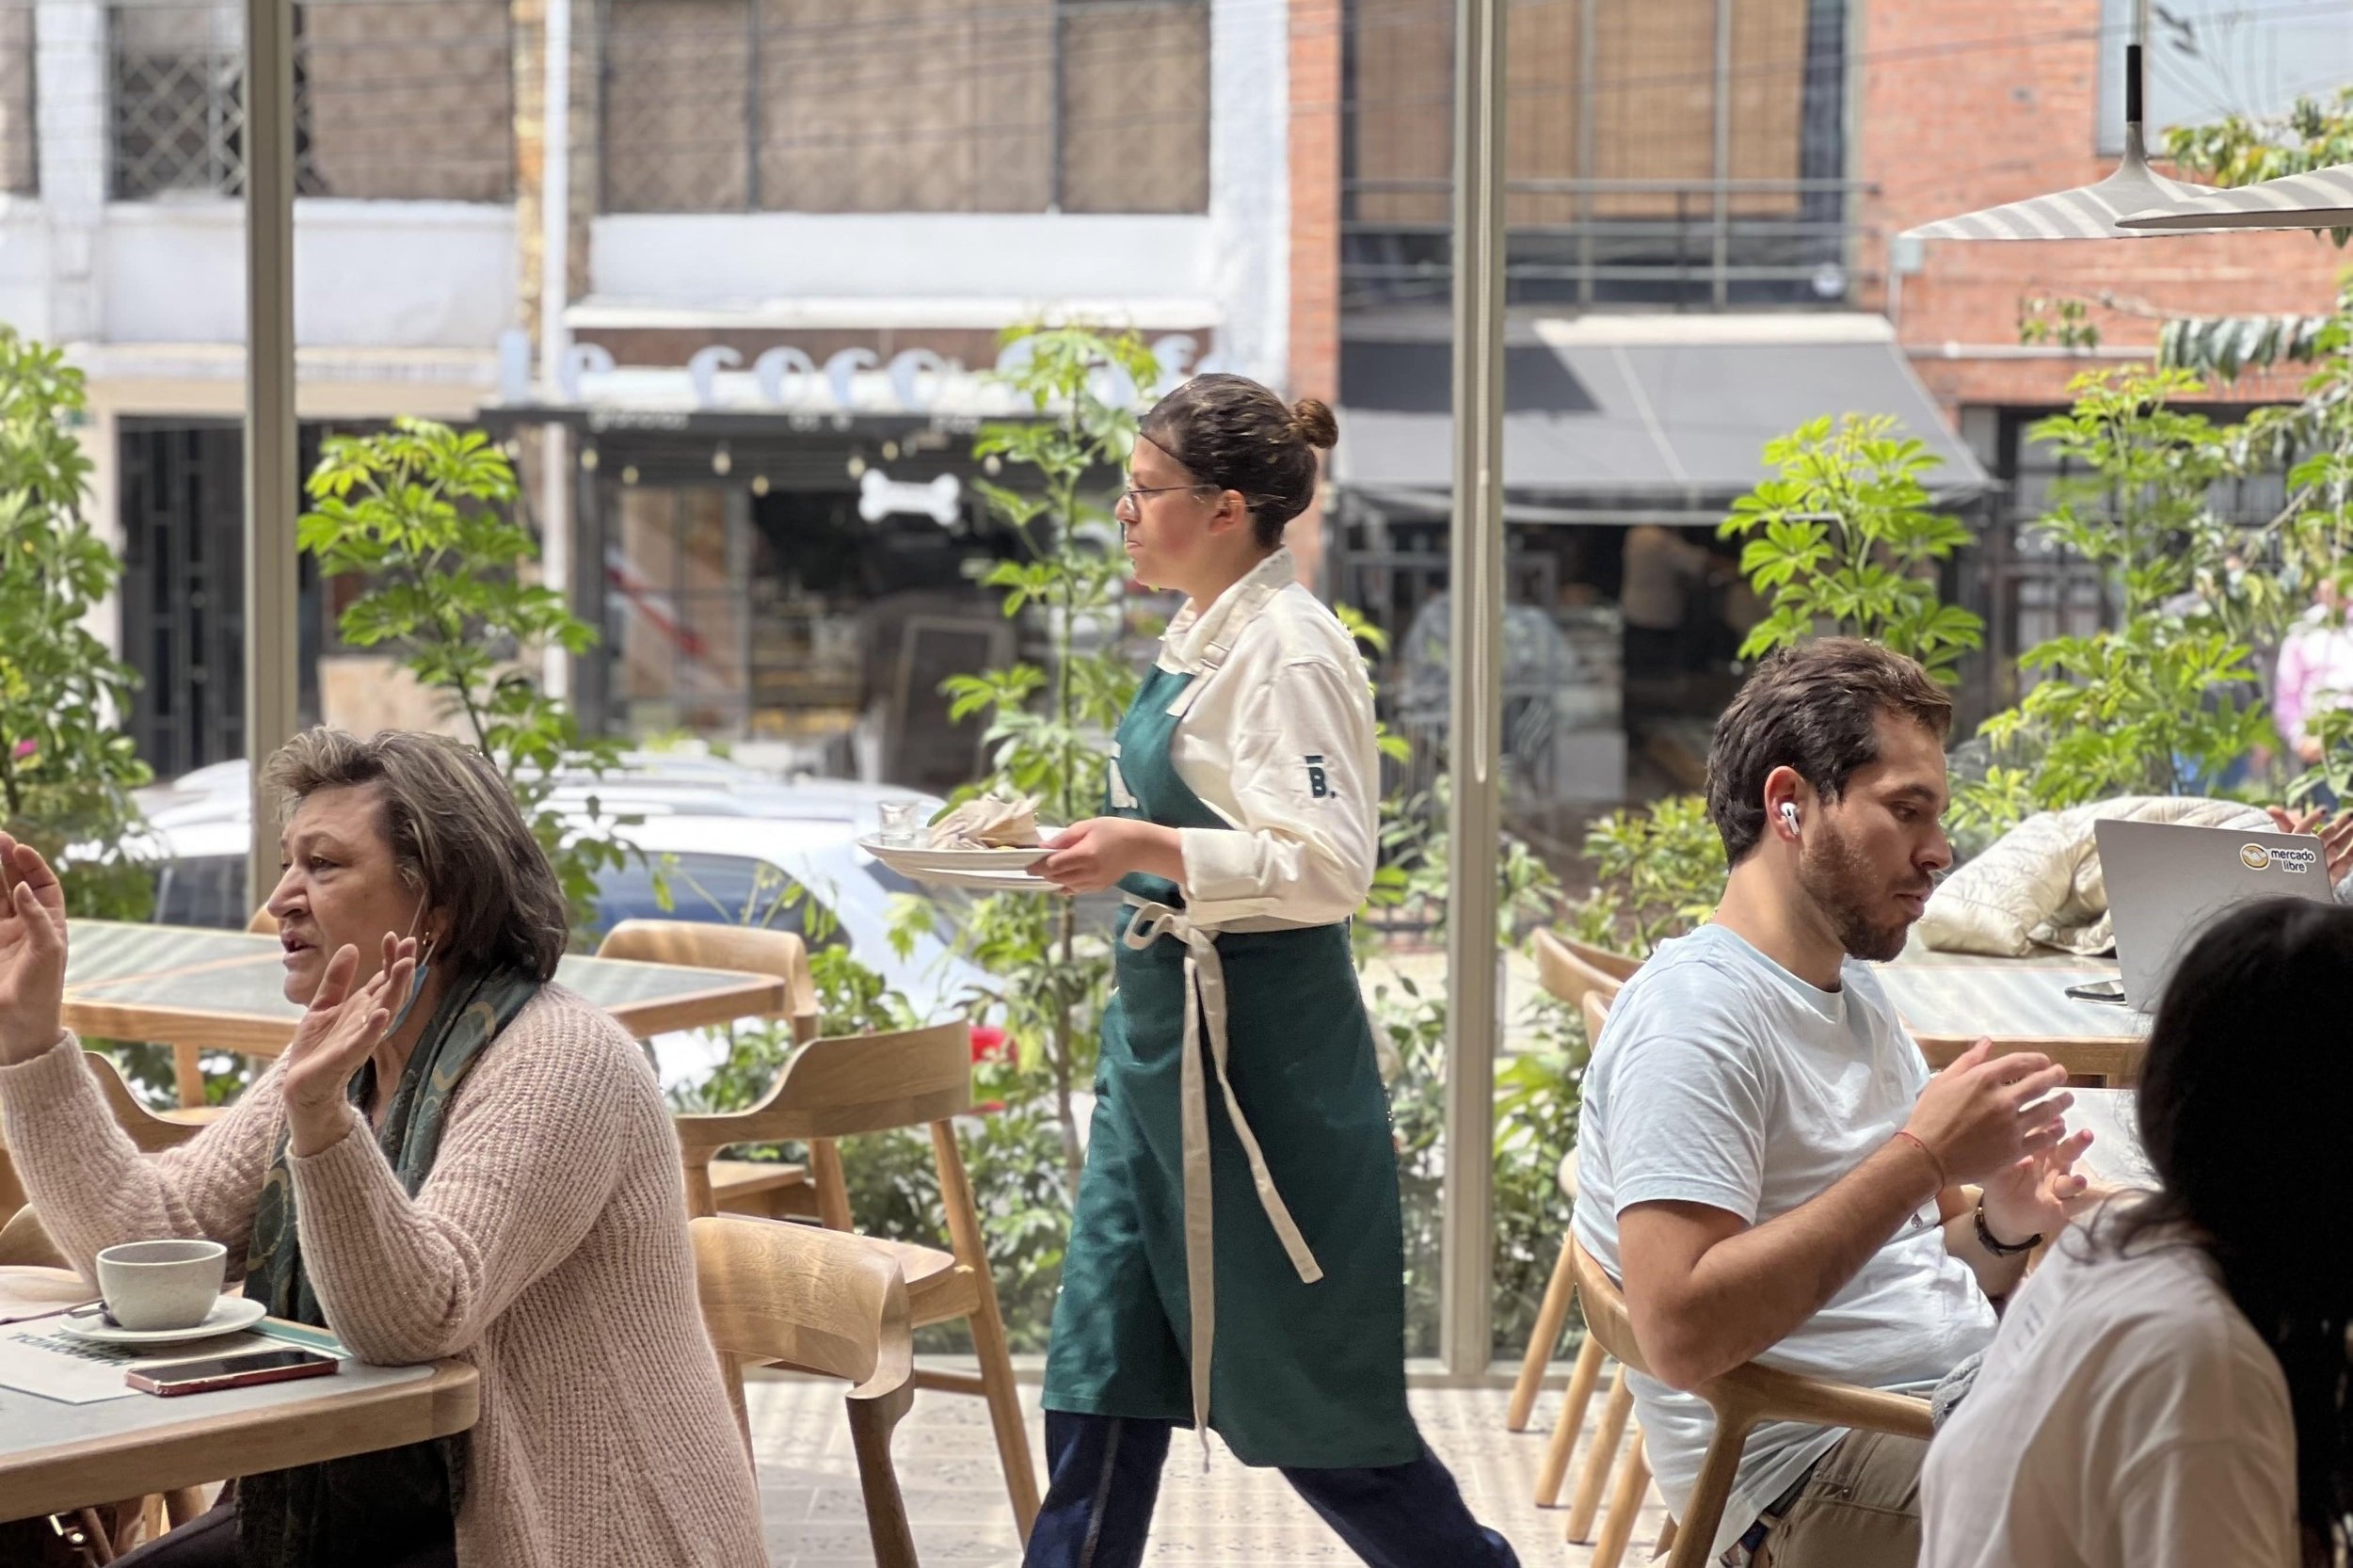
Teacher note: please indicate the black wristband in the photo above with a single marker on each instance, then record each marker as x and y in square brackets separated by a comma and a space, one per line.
[2002, 1249]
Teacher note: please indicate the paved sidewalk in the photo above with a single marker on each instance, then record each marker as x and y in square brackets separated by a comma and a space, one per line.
[1232, 1517]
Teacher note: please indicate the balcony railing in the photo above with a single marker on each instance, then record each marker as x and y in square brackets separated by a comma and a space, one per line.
[1661, 243]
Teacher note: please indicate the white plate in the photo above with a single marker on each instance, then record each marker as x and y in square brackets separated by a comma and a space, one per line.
[909, 860]
[986, 882]
[230, 1315]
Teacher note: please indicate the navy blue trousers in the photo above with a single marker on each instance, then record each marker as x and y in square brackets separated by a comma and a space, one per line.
[1104, 1478]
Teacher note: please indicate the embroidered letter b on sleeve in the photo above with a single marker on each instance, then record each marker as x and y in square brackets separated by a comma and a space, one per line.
[1319, 785]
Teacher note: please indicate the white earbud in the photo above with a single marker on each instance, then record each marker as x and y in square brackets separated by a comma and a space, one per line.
[1790, 814]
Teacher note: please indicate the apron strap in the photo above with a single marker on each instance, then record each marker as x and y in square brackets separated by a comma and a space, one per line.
[1205, 997]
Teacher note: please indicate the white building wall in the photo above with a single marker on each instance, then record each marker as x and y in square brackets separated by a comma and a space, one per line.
[405, 275]
[753, 264]
[1249, 249]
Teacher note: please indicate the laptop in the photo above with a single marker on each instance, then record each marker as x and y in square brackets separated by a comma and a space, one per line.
[2166, 881]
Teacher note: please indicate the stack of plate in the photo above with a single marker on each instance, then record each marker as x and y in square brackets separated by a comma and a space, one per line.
[994, 871]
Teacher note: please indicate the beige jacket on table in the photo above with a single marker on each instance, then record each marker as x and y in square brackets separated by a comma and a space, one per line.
[2040, 885]
[548, 1247]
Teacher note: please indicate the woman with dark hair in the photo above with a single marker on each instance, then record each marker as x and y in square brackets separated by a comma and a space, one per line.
[1237, 1258]
[454, 1157]
[2169, 1387]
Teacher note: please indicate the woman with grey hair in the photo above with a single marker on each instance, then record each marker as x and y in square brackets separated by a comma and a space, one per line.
[454, 1157]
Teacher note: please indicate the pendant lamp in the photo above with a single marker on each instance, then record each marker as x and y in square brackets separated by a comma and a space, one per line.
[2322, 199]
[2088, 211]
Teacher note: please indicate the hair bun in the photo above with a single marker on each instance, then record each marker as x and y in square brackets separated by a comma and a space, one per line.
[1312, 423]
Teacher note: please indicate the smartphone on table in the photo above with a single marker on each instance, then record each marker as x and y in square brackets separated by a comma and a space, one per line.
[241, 1370]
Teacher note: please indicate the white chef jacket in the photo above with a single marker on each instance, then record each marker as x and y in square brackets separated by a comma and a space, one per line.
[1276, 737]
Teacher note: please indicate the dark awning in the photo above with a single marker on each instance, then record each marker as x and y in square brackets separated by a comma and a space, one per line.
[1632, 416]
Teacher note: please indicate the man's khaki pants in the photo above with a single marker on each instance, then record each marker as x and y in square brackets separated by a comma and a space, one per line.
[1860, 1508]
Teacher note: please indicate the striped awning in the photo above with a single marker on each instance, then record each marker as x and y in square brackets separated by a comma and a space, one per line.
[2320, 200]
[2086, 213]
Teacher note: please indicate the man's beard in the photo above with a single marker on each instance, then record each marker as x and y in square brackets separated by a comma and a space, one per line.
[1840, 880]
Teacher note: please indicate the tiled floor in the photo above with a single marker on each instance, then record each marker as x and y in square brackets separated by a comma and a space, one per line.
[1233, 1518]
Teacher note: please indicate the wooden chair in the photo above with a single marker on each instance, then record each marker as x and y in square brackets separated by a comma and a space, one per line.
[1561, 971]
[808, 1298]
[22, 1240]
[1609, 962]
[1550, 1316]
[842, 1087]
[770, 1188]
[1742, 1399]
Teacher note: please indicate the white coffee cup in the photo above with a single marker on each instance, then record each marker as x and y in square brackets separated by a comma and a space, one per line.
[162, 1285]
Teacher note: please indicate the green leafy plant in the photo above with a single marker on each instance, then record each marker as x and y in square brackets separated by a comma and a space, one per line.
[2168, 700]
[1846, 538]
[1537, 1098]
[66, 767]
[1657, 873]
[2057, 321]
[1047, 723]
[418, 511]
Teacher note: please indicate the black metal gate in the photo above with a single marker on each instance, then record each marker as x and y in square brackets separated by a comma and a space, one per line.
[183, 511]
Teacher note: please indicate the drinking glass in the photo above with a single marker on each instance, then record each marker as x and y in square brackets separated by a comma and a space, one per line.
[902, 824]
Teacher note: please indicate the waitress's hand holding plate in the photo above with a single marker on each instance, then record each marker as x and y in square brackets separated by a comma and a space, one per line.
[1091, 855]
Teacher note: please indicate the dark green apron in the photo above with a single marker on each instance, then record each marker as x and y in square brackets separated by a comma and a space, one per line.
[1308, 1355]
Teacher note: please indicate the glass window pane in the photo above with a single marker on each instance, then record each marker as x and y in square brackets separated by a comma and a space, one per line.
[20, 166]
[676, 81]
[1135, 82]
[915, 106]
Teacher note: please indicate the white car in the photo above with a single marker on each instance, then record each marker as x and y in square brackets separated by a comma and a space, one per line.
[724, 839]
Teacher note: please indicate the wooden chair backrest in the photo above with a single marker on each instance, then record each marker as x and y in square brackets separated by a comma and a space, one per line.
[1567, 976]
[22, 1240]
[778, 1292]
[1619, 965]
[1596, 1010]
[696, 944]
[1605, 1315]
[849, 1084]
[263, 924]
[151, 1132]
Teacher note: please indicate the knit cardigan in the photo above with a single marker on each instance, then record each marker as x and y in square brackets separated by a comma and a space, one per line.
[547, 1248]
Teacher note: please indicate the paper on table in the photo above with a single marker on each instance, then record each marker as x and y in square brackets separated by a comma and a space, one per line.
[39, 1358]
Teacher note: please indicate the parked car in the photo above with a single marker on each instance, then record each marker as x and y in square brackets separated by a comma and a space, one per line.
[726, 841]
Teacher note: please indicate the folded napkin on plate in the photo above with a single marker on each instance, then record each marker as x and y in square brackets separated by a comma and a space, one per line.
[989, 822]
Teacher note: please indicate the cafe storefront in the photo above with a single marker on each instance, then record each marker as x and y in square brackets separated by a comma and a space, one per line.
[781, 553]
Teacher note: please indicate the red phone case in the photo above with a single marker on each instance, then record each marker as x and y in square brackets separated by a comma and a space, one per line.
[157, 1383]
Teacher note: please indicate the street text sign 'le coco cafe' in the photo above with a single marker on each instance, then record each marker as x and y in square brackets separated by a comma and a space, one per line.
[810, 394]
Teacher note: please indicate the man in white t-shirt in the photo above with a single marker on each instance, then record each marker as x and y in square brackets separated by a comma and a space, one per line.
[1765, 1163]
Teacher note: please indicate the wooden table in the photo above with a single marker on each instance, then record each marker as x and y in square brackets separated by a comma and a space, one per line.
[1948, 1000]
[54, 1456]
[198, 990]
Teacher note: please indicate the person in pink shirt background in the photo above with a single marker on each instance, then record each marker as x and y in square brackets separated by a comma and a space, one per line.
[2316, 672]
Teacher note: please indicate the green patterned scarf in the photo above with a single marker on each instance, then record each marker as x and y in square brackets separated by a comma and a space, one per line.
[370, 1507]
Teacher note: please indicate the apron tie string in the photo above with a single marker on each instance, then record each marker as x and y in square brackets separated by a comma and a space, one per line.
[1205, 997]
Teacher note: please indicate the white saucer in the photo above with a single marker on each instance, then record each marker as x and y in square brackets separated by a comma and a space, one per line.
[230, 1315]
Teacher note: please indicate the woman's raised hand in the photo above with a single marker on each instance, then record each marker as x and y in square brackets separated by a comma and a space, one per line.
[32, 954]
[344, 1024]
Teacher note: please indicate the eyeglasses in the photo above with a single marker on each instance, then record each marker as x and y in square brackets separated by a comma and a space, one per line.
[1129, 497]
